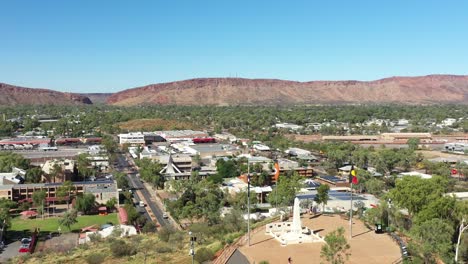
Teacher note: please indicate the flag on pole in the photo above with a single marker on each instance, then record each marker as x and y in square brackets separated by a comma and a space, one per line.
[353, 176]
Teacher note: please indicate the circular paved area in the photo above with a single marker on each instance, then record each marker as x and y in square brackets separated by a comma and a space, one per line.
[366, 246]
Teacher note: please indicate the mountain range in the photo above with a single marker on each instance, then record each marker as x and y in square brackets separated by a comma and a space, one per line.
[430, 89]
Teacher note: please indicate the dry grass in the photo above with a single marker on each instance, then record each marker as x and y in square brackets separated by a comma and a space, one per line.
[79, 255]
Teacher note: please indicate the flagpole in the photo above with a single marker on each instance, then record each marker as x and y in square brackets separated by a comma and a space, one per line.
[351, 214]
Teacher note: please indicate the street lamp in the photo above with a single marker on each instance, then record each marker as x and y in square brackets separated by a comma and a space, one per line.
[193, 239]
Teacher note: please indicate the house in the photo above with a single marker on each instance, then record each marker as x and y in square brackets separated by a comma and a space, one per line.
[297, 152]
[261, 147]
[416, 174]
[288, 126]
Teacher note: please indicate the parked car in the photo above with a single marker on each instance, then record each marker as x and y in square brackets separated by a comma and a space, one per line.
[165, 216]
[142, 204]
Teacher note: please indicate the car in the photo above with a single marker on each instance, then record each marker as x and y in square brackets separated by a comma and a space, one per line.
[24, 249]
[165, 216]
[26, 240]
[142, 204]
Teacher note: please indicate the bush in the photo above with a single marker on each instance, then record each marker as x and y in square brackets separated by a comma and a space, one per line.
[163, 248]
[120, 248]
[203, 254]
[149, 227]
[165, 233]
[95, 258]
[264, 262]
[95, 237]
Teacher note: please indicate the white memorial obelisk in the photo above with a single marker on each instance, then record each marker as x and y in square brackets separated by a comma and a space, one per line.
[296, 223]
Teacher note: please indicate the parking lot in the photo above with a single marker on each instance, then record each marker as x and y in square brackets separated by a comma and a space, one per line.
[9, 251]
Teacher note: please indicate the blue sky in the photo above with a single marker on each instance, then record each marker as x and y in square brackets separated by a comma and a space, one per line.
[107, 46]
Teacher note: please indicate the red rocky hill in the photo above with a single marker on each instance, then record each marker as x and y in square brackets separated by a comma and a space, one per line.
[429, 89]
[14, 95]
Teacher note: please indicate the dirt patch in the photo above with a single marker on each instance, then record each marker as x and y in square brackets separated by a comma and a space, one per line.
[304, 138]
[62, 243]
[366, 246]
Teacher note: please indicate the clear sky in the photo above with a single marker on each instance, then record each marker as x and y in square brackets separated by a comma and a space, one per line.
[107, 46]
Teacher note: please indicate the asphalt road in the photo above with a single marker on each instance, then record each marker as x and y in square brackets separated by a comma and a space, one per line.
[136, 183]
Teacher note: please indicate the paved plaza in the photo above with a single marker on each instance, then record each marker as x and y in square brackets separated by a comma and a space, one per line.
[366, 246]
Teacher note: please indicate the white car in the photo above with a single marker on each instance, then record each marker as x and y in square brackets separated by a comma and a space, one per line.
[142, 204]
[165, 216]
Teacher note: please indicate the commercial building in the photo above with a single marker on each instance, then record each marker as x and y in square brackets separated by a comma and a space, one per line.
[102, 190]
[132, 138]
[66, 166]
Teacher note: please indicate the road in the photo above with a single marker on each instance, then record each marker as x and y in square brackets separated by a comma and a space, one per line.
[136, 183]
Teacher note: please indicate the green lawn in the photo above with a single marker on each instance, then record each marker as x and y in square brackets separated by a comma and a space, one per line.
[51, 224]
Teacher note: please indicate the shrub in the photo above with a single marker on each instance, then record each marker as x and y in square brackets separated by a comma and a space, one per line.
[165, 233]
[149, 227]
[120, 248]
[264, 262]
[95, 258]
[163, 248]
[203, 254]
[95, 237]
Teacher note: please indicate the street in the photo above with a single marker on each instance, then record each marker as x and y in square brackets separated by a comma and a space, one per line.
[135, 183]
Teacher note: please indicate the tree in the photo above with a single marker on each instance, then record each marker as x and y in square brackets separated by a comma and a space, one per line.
[34, 175]
[8, 160]
[434, 237]
[285, 190]
[64, 191]
[122, 180]
[150, 172]
[414, 193]
[322, 195]
[69, 218]
[374, 186]
[83, 165]
[227, 169]
[5, 206]
[336, 249]
[413, 143]
[38, 198]
[56, 172]
[111, 203]
[85, 203]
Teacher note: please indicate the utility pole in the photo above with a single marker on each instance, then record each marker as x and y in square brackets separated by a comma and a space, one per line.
[248, 201]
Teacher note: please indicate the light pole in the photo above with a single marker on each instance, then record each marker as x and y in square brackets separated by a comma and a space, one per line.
[193, 239]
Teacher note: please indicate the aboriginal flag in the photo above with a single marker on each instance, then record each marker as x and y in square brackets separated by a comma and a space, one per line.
[353, 176]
